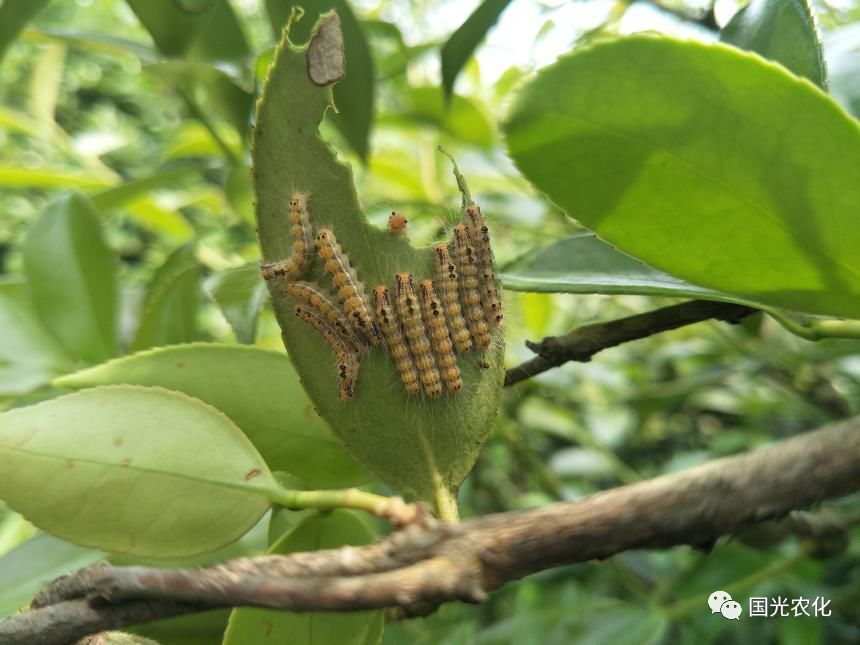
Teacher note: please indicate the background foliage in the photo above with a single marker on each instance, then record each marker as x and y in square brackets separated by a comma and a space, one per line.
[141, 109]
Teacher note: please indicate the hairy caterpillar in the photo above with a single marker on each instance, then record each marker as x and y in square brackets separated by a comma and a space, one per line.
[386, 318]
[349, 288]
[484, 252]
[416, 336]
[471, 297]
[314, 296]
[295, 266]
[347, 360]
[440, 339]
[446, 280]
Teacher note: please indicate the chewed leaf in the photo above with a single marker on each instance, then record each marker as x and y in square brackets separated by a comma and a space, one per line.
[423, 448]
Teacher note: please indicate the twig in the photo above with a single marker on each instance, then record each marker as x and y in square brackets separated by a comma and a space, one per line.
[584, 342]
[434, 562]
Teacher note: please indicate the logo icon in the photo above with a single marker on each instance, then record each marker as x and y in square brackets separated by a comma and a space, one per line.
[721, 602]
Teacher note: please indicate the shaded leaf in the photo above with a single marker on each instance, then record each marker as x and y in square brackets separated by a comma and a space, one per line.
[427, 447]
[169, 311]
[354, 95]
[583, 263]
[71, 276]
[239, 294]
[29, 355]
[463, 42]
[14, 15]
[318, 531]
[258, 389]
[212, 91]
[783, 31]
[30, 566]
[198, 29]
[722, 169]
[461, 118]
[133, 470]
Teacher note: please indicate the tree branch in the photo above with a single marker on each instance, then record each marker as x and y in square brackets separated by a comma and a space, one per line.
[584, 342]
[433, 562]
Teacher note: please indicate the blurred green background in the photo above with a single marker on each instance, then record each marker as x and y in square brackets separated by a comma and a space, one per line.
[145, 106]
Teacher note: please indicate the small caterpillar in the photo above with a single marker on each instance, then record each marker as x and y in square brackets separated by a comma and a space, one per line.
[446, 279]
[295, 266]
[439, 337]
[481, 238]
[349, 288]
[314, 296]
[473, 308]
[397, 223]
[386, 317]
[347, 360]
[416, 336]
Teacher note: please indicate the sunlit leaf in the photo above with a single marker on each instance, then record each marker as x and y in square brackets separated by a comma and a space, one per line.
[318, 531]
[703, 161]
[16, 176]
[70, 273]
[783, 31]
[133, 470]
[258, 389]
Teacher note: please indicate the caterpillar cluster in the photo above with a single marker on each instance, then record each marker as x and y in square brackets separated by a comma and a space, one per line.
[424, 328]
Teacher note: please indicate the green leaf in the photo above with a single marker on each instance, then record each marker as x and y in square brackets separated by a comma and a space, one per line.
[421, 448]
[353, 96]
[463, 42]
[319, 531]
[583, 263]
[129, 191]
[702, 161]
[45, 81]
[169, 311]
[71, 275]
[134, 470]
[258, 389]
[239, 294]
[194, 629]
[461, 118]
[29, 355]
[14, 176]
[198, 29]
[14, 15]
[783, 31]
[210, 90]
[29, 567]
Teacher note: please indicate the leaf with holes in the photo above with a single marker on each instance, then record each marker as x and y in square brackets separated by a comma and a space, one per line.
[420, 447]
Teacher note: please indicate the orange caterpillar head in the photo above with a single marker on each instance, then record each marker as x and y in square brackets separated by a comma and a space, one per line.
[397, 223]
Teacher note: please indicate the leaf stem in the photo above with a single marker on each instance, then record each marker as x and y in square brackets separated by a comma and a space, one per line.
[817, 329]
[393, 509]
